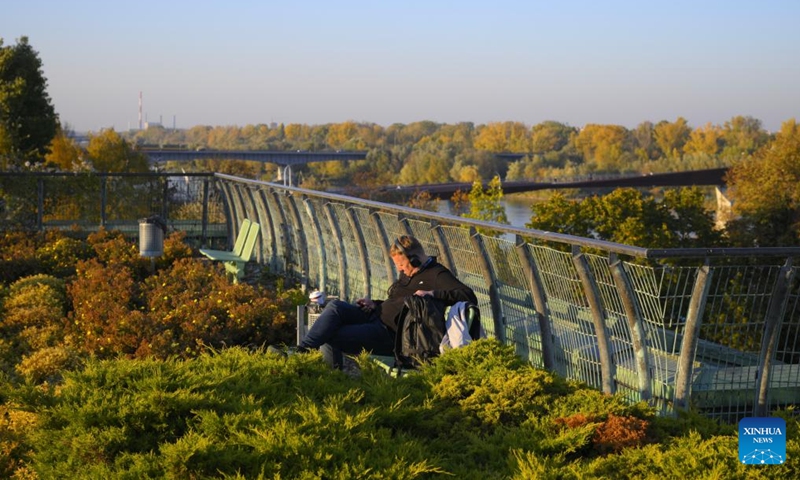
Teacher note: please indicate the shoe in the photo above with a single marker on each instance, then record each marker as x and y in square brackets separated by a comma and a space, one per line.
[285, 351]
[276, 350]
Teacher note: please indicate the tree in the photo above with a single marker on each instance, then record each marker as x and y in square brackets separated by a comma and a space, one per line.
[28, 121]
[645, 146]
[603, 145]
[561, 215]
[64, 153]
[551, 136]
[484, 204]
[766, 192]
[671, 137]
[704, 141]
[629, 217]
[743, 136]
[690, 223]
[108, 152]
[429, 163]
[503, 137]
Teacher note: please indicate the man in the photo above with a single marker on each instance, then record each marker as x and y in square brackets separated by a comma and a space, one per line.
[371, 325]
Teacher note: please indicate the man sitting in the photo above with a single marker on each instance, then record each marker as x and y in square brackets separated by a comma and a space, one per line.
[371, 325]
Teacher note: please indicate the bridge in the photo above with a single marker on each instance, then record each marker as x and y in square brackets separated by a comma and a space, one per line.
[713, 176]
[282, 158]
[285, 159]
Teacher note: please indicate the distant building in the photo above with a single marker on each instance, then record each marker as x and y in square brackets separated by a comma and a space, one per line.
[148, 125]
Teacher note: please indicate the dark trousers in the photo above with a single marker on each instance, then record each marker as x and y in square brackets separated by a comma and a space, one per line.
[345, 328]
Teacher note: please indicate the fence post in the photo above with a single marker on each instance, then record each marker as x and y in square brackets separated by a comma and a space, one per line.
[539, 301]
[491, 282]
[40, 204]
[302, 247]
[204, 215]
[607, 368]
[323, 261]
[384, 237]
[362, 247]
[694, 317]
[772, 329]
[445, 257]
[633, 313]
[165, 199]
[334, 224]
[103, 181]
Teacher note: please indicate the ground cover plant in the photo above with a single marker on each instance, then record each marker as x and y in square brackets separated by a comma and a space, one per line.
[110, 370]
[477, 412]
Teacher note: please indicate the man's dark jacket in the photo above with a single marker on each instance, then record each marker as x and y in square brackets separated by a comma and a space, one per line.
[432, 276]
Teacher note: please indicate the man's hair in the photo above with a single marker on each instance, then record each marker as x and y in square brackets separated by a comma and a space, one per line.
[409, 247]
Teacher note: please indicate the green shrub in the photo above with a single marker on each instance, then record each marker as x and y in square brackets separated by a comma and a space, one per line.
[15, 426]
[33, 313]
[60, 256]
[239, 413]
[47, 364]
[57, 285]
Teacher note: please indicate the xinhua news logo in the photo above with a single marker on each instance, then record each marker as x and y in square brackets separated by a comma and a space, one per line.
[762, 441]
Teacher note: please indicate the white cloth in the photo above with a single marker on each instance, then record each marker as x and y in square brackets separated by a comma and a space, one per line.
[456, 328]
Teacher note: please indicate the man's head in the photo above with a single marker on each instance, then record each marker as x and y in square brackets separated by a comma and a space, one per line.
[407, 254]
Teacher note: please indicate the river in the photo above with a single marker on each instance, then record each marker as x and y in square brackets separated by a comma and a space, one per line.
[518, 209]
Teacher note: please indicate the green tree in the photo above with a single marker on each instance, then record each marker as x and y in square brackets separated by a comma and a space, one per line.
[428, 163]
[485, 204]
[690, 223]
[28, 121]
[766, 192]
[743, 136]
[627, 216]
[561, 215]
[644, 143]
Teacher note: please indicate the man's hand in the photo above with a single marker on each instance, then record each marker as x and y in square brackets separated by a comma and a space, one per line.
[365, 303]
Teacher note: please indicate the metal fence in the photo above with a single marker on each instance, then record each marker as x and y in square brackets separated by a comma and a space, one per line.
[188, 202]
[714, 329]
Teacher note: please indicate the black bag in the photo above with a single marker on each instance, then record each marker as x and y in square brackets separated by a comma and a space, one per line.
[420, 331]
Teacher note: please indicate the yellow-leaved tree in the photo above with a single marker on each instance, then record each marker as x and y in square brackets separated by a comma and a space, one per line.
[109, 152]
[765, 190]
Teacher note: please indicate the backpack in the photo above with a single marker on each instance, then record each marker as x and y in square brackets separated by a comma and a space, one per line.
[420, 331]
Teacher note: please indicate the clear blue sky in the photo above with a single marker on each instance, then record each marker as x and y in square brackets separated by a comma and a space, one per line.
[578, 62]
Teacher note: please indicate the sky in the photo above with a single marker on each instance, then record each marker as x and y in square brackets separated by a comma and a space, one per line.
[578, 62]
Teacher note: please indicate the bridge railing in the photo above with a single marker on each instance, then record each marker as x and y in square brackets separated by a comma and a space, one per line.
[717, 329]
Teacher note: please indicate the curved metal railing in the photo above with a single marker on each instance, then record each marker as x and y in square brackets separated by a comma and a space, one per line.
[715, 328]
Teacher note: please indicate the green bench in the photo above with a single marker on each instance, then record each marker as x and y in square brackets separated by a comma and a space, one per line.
[236, 259]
